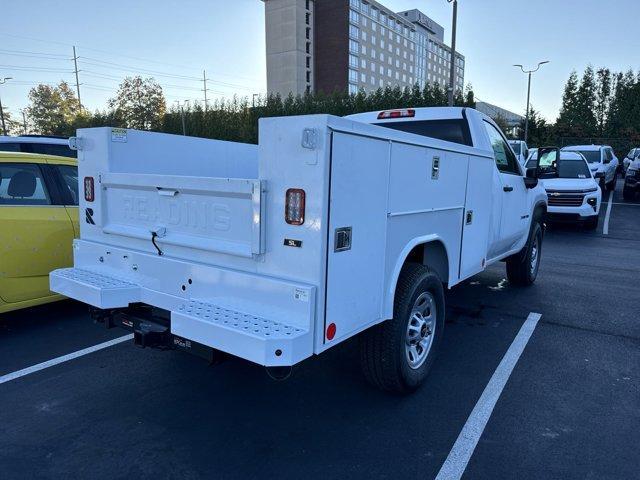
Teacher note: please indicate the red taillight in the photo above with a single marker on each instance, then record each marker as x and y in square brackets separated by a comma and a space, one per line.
[88, 189]
[403, 113]
[294, 206]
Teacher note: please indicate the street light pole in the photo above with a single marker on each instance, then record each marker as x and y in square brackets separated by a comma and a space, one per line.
[4, 127]
[526, 118]
[452, 72]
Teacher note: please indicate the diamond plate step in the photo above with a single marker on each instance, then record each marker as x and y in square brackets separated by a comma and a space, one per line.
[94, 288]
[261, 340]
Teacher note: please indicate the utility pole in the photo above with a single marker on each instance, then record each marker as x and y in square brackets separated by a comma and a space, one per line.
[24, 122]
[4, 127]
[204, 80]
[452, 73]
[181, 106]
[253, 101]
[75, 64]
[526, 118]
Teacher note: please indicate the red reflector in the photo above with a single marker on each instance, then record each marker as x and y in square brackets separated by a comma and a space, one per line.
[403, 113]
[89, 194]
[331, 331]
[294, 206]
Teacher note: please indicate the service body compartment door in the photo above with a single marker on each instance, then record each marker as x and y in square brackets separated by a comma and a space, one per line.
[357, 232]
[478, 216]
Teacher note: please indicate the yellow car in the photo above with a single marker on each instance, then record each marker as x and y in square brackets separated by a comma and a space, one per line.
[38, 221]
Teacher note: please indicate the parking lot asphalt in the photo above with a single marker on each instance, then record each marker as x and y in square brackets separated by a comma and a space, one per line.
[570, 408]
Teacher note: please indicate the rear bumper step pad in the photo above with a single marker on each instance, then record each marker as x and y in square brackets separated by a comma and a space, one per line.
[254, 338]
[96, 289]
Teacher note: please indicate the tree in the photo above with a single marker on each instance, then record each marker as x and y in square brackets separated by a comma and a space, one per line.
[139, 104]
[567, 118]
[52, 109]
[586, 122]
[603, 98]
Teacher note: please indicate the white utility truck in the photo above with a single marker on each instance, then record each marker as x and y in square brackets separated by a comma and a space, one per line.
[329, 228]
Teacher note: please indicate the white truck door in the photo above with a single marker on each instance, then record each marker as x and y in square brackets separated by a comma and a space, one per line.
[357, 232]
[514, 218]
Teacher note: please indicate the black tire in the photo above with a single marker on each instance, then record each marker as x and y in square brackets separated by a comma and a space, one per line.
[628, 194]
[521, 270]
[591, 223]
[383, 348]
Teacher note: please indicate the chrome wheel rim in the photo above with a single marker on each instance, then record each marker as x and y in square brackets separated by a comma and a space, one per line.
[535, 254]
[420, 330]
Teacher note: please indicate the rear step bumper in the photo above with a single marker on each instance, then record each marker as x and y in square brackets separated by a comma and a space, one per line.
[254, 337]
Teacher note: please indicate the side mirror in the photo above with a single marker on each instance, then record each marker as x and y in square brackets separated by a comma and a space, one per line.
[531, 178]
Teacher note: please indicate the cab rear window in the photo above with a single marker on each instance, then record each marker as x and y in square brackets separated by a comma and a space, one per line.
[60, 150]
[22, 184]
[453, 130]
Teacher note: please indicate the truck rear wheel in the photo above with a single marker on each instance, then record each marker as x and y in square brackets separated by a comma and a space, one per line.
[522, 268]
[397, 354]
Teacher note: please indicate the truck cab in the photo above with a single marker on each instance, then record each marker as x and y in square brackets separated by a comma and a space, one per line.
[331, 227]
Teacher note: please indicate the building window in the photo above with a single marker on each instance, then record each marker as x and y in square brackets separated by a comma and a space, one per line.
[354, 32]
[365, 22]
[353, 75]
[308, 62]
[355, 4]
[353, 61]
[308, 33]
[363, 78]
[373, 67]
[374, 26]
[363, 49]
[308, 18]
[375, 13]
[381, 57]
[308, 47]
[307, 5]
[363, 63]
[389, 72]
[354, 47]
[354, 16]
[374, 54]
[373, 39]
[381, 43]
[364, 36]
[353, 89]
[308, 76]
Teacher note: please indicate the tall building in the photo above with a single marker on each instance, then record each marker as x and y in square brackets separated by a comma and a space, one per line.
[328, 45]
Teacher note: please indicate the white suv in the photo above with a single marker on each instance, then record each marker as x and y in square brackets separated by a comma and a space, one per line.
[603, 163]
[573, 193]
[631, 156]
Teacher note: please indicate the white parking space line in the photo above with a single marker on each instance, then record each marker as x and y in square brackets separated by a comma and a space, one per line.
[65, 358]
[605, 229]
[459, 456]
[625, 204]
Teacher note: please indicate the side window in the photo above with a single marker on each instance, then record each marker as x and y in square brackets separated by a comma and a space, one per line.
[505, 159]
[69, 175]
[22, 184]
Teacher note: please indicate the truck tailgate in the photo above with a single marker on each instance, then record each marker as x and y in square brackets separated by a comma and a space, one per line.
[214, 214]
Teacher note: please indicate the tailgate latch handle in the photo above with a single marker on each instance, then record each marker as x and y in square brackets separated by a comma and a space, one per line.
[166, 192]
[158, 233]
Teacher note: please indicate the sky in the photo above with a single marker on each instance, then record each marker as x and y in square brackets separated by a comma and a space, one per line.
[174, 41]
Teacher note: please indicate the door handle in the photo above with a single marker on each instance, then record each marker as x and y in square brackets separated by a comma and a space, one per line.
[507, 188]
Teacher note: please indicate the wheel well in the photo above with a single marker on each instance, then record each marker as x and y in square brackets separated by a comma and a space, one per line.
[432, 254]
[539, 211]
